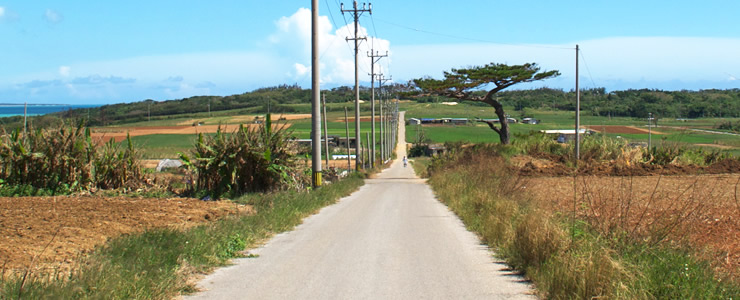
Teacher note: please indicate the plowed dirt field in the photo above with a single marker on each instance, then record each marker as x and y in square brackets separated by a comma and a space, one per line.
[57, 230]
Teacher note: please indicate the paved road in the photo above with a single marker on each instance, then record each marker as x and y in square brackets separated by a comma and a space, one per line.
[389, 240]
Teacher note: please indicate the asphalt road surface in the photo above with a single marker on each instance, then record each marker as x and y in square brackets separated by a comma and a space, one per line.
[389, 240]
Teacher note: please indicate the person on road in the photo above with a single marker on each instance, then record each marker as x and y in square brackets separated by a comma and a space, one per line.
[405, 161]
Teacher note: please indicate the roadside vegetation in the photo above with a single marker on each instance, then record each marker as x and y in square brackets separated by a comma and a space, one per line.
[253, 166]
[249, 160]
[51, 162]
[160, 263]
[597, 248]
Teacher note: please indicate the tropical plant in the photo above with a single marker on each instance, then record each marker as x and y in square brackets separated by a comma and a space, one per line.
[66, 159]
[251, 159]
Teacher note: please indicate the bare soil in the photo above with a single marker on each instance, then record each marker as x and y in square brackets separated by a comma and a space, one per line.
[57, 231]
[104, 134]
[622, 129]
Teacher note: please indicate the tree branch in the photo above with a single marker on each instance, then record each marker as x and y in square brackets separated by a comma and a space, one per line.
[490, 124]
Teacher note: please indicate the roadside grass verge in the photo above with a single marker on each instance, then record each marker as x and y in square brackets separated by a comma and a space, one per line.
[565, 255]
[160, 263]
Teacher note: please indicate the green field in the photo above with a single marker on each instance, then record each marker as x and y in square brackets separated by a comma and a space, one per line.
[168, 145]
[481, 133]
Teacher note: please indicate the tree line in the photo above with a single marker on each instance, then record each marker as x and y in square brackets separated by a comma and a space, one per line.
[283, 98]
[631, 103]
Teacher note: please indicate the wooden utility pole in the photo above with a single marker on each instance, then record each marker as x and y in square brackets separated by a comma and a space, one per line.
[357, 13]
[650, 130]
[326, 131]
[578, 112]
[315, 97]
[25, 118]
[346, 125]
[367, 152]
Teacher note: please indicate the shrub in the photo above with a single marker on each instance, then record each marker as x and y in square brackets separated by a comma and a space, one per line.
[248, 160]
[64, 160]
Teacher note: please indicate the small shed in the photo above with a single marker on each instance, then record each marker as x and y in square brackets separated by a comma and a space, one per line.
[435, 149]
[342, 142]
[530, 121]
[413, 121]
[458, 121]
[566, 135]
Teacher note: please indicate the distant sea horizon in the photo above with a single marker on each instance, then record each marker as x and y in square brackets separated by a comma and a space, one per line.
[10, 110]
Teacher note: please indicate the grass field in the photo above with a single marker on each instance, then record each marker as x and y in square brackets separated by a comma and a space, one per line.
[675, 132]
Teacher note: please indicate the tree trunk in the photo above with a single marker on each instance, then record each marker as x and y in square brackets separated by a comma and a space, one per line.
[503, 133]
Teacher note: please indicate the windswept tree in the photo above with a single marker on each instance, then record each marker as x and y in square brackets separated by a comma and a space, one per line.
[463, 83]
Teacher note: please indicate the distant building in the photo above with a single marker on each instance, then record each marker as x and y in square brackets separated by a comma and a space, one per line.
[435, 149]
[566, 135]
[342, 142]
[509, 120]
[458, 121]
[414, 121]
[530, 121]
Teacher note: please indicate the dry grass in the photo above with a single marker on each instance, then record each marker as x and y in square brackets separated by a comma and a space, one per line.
[621, 237]
[700, 210]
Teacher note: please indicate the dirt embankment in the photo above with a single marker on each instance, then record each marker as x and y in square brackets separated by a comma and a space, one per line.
[58, 230]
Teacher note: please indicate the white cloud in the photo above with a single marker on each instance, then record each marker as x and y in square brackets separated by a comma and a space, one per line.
[293, 42]
[64, 71]
[285, 57]
[2, 12]
[615, 63]
[53, 16]
[301, 70]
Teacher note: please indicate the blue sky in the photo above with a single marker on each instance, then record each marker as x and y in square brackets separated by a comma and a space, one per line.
[94, 52]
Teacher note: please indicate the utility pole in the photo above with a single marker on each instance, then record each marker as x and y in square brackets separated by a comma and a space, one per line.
[383, 139]
[357, 13]
[25, 118]
[374, 58]
[650, 130]
[578, 113]
[346, 126]
[382, 119]
[315, 97]
[326, 131]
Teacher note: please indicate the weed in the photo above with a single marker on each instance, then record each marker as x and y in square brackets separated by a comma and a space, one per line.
[617, 247]
[157, 263]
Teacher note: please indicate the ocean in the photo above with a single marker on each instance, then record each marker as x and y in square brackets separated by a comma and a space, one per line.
[35, 110]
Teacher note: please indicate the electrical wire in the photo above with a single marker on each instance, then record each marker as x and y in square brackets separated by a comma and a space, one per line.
[471, 39]
[588, 69]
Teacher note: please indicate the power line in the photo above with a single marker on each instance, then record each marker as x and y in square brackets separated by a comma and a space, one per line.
[471, 39]
[335, 23]
[588, 69]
